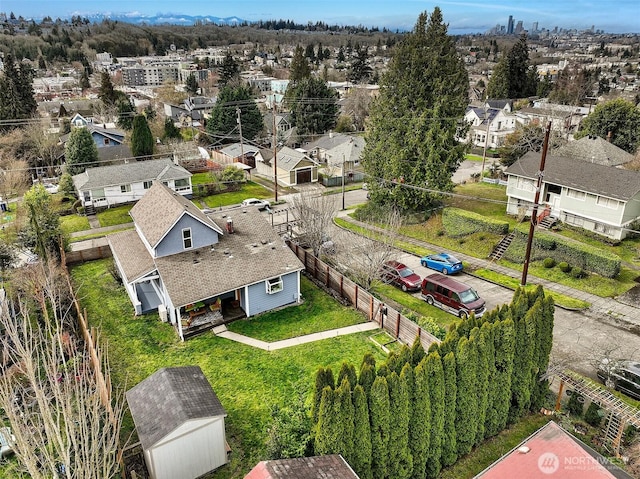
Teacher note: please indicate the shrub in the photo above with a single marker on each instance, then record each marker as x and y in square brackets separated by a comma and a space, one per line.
[430, 326]
[575, 405]
[592, 416]
[457, 222]
[564, 267]
[80, 210]
[549, 262]
[577, 272]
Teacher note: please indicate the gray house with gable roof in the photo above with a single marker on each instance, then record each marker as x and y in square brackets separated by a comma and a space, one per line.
[180, 423]
[106, 186]
[197, 266]
[591, 193]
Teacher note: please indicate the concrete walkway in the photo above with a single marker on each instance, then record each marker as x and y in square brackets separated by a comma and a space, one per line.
[223, 332]
[607, 308]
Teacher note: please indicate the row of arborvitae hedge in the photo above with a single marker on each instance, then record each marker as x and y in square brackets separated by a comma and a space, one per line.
[418, 412]
[457, 222]
[546, 245]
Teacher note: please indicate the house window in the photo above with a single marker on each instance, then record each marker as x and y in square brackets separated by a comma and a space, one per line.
[574, 220]
[274, 285]
[106, 141]
[578, 195]
[125, 188]
[98, 194]
[187, 242]
[147, 184]
[607, 202]
[524, 184]
[182, 184]
[602, 228]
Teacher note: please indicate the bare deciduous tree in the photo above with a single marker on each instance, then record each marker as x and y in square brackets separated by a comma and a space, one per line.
[49, 391]
[14, 178]
[315, 214]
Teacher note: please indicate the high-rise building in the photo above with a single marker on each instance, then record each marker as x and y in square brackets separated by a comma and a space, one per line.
[519, 28]
[510, 25]
[534, 27]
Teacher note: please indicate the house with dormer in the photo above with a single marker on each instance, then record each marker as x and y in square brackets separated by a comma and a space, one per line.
[202, 269]
[489, 126]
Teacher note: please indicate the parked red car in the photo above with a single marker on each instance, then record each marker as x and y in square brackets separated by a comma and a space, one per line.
[400, 275]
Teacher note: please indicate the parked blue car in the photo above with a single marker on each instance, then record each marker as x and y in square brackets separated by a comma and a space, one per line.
[443, 262]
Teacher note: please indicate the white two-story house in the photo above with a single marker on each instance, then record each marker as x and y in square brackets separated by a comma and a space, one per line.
[106, 186]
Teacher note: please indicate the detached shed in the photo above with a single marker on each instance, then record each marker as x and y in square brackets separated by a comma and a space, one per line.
[180, 423]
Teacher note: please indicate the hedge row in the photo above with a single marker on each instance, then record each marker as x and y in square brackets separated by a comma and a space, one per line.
[546, 245]
[457, 222]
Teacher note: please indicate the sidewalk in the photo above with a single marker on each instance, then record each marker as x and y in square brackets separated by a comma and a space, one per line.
[607, 308]
[288, 343]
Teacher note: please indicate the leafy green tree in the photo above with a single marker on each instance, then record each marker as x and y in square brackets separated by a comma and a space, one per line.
[141, 137]
[592, 416]
[170, 129]
[289, 435]
[413, 124]
[420, 422]
[309, 52]
[379, 410]
[192, 84]
[450, 443]
[524, 139]
[229, 70]
[361, 458]
[400, 463]
[619, 117]
[299, 69]
[314, 106]
[466, 400]
[340, 58]
[42, 232]
[224, 117]
[80, 151]
[65, 185]
[575, 405]
[514, 77]
[435, 377]
[16, 92]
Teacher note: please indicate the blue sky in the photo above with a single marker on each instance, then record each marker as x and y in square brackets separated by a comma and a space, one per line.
[462, 16]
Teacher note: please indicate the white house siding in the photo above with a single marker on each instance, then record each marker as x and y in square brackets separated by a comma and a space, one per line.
[190, 451]
[113, 195]
[260, 301]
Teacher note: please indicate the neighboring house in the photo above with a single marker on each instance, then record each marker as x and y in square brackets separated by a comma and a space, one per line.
[195, 107]
[282, 122]
[316, 467]
[106, 186]
[598, 198]
[318, 149]
[185, 262]
[594, 150]
[293, 167]
[102, 136]
[489, 126]
[235, 153]
[553, 452]
[564, 118]
[180, 423]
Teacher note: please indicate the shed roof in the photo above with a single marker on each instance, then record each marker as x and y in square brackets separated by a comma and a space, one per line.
[167, 399]
[317, 467]
[577, 174]
[290, 159]
[128, 173]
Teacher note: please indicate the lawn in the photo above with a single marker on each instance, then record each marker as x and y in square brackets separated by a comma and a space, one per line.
[117, 215]
[73, 223]
[248, 381]
[318, 312]
[248, 190]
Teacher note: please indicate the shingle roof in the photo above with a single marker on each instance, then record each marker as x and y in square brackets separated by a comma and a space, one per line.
[326, 142]
[132, 254]
[236, 150]
[290, 159]
[317, 467]
[253, 253]
[350, 150]
[127, 173]
[173, 205]
[594, 150]
[167, 399]
[576, 174]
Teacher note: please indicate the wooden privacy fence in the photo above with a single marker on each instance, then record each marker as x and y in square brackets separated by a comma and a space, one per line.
[389, 319]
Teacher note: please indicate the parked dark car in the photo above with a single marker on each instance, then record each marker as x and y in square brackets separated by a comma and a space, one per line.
[445, 263]
[623, 376]
[450, 295]
[400, 275]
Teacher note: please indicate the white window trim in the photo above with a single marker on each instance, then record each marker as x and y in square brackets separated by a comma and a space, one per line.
[147, 184]
[187, 238]
[274, 285]
[125, 188]
[607, 202]
[576, 194]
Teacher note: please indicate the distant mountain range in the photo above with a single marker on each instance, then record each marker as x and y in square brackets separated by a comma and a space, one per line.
[163, 18]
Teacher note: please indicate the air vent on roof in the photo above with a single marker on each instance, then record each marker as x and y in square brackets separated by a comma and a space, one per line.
[226, 251]
[264, 241]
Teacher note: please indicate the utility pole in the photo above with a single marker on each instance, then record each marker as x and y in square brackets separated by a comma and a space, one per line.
[486, 142]
[275, 151]
[534, 212]
[343, 181]
[240, 128]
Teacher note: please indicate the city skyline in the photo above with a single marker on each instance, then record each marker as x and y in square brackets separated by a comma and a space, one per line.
[462, 16]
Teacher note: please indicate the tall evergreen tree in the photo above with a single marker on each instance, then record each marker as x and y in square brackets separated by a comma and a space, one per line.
[366, 377]
[344, 421]
[400, 462]
[449, 442]
[126, 114]
[16, 92]
[326, 428]
[417, 352]
[80, 151]
[420, 422]
[141, 137]
[467, 400]
[229, 70]
[191, 84]
[323, 378]
[619, 117]
[484, 343]
[435, 377]
[299, 69]
[314, 106]
[413, 124]
[514, 77]
[84, 80]
[170, 129]
[544, 331]
[361, 458]
[500, 396]
[379, 410]
[360, 71]
[224, 116]
[42, 232]
[347, 370]
[107, 93]
[522, 365]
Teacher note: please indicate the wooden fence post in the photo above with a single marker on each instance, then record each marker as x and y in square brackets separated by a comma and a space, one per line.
[370, 308]
[315, 267]
[356, 302]
[398, 326]
[328, 277]
[342, 286]
[560, 389]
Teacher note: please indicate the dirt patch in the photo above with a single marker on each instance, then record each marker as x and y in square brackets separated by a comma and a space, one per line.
[631, 297]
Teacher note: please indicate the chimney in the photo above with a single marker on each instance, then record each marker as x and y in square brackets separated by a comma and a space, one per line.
[609, 136]
[229, 226]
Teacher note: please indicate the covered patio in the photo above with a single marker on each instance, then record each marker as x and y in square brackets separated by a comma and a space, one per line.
[203, 316]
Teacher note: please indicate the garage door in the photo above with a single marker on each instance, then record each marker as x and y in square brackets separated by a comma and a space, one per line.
[303, 176]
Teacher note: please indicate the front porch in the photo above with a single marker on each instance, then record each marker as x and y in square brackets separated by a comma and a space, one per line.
[206, 316]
